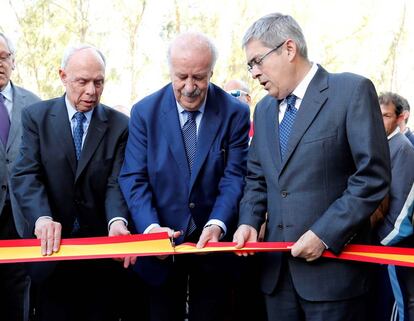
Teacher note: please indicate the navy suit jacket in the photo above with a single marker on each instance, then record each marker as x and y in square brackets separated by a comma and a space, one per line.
[334, 175]
[155, 177]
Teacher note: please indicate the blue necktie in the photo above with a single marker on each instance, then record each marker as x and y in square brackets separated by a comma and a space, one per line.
[190, 141]
[190, 137]
[4, 121]
[286, 125]
[78, 133]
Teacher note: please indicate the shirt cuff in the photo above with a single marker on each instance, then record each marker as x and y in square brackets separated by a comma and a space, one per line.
[48, 217]
[149, 228]
[117, 219]
[218, 223]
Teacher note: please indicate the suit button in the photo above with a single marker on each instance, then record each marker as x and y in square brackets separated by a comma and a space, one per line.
[7, 161]
[284, 194]
[280, 226]
[191, 205]
[3, 187]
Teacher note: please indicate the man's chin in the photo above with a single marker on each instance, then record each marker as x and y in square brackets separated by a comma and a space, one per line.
[194, 105]
[83, 108]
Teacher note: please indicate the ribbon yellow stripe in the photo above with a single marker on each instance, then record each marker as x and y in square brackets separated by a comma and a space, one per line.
[386, 256]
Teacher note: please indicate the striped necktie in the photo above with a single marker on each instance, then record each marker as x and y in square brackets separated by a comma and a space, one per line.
[190, 137]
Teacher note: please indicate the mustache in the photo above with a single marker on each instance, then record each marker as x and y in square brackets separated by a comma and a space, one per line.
[191, 94]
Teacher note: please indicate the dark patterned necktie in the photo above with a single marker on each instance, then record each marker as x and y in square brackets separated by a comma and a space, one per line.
[286, 124]
[190, 137]
[78, 133]
[190, 141]
[4, 121]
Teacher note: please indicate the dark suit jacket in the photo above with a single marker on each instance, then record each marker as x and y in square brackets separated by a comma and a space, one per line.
[21, 99]
[47, 181]
[335, 173]
[155, 176]
[397, 228]
[409, 134]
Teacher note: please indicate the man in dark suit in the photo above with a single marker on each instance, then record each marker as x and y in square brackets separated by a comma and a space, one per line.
[183, 174]
[14, 281]
[65, 181]
[319, 166]
[397, 227]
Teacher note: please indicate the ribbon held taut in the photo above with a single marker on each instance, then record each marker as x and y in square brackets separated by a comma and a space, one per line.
[28, 250]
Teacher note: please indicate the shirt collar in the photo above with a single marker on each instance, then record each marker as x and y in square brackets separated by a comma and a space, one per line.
[71, 110]
[300, 90]
[8, 92]
[395, 132]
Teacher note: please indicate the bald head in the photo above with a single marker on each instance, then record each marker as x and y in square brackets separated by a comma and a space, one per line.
[238, 89]
[235, 84]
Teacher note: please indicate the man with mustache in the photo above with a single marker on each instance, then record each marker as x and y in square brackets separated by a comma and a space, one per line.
[183, 174]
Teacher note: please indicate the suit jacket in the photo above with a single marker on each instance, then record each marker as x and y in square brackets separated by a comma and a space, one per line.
[335, 173]
[397, 227]
[155, 177]
[48, 181]
[409, 134]
[8, 154]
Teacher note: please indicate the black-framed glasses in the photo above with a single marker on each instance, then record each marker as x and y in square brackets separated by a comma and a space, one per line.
[258, 61]
[5, 57]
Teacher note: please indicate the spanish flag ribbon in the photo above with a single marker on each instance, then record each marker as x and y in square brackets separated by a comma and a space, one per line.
[28, 250]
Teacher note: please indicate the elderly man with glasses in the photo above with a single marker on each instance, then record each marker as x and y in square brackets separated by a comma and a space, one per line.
[14, 282]
[319, 166]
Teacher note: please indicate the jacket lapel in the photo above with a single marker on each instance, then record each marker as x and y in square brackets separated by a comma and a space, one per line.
[171, 124]
[61, 126]
[96, 131]
[210, 123]
[272, 130]
[312, 102]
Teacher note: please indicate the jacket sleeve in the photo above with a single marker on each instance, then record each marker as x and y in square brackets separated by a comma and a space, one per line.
[369, 182]
[133, 179]
[28, 176]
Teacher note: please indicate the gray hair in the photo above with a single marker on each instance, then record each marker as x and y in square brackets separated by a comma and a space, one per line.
[69, 51]
[198, 39]
[9, 43]
[275, 28]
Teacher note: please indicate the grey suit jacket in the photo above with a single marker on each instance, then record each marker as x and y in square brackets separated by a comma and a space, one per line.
[21, 98]
[335, 173]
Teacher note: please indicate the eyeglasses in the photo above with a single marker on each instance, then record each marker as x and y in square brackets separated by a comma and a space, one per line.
[237, 93]
[258, 61]
[5, 57]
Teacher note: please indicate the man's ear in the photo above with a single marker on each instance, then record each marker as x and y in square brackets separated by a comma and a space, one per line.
[62, 75]
[291, 49]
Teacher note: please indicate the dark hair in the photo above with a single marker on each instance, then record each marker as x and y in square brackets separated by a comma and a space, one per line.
[395, 99]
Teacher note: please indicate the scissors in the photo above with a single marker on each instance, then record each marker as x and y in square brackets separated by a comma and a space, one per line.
[173, 244]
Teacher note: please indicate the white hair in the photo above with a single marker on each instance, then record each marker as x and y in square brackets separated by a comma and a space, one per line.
[70, 50]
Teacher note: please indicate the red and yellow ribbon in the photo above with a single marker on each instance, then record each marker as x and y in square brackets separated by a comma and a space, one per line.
[12, 251]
